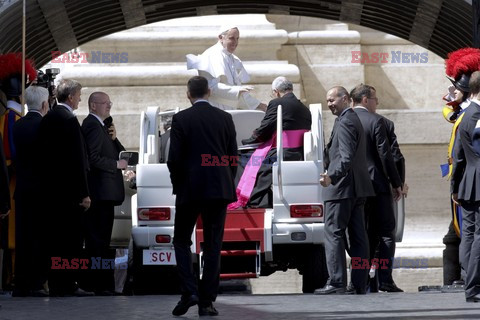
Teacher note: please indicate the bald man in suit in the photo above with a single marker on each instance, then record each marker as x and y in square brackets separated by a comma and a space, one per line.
[347, 184]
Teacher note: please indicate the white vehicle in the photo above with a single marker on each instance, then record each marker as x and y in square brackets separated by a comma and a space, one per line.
[257, 242]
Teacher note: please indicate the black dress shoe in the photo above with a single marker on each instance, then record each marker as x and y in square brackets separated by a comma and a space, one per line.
[389, 287]
[459, 282]
[329, 289]
[475, 298]
[352, 290]
[208, 310]
[40, 293]
[79, 292]
[184, 304]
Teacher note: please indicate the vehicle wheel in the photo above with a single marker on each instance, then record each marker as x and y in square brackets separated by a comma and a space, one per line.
[315, 273]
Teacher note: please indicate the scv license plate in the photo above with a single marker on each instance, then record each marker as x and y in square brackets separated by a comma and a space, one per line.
[159, 257]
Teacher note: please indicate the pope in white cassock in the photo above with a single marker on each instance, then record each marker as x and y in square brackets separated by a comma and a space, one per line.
[225, 73]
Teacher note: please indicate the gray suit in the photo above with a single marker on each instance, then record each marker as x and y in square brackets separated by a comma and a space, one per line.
[346, 164]
[383, 173]
[466, 182]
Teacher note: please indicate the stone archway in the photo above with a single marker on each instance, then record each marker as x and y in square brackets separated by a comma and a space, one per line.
[440, 26]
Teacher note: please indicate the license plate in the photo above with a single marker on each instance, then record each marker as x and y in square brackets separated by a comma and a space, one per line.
[159, 257]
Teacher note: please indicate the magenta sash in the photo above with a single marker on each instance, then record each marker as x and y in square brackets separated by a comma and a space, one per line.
[291, 139]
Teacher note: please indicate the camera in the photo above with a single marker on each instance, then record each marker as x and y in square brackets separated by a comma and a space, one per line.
[47, 79]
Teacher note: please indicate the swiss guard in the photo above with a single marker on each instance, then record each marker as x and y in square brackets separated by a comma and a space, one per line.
[10, 111]
[459, 65]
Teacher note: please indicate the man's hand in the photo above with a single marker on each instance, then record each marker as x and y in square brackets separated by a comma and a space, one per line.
[405, 190]
[112, 132]
[325, 180]
[262, 107]
[455, 198]
[246, 89]
[397, 193]
[4, 215]
[86, 203]
[122, 164]
[129, 175]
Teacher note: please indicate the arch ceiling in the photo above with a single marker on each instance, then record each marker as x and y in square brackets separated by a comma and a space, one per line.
[441, 26]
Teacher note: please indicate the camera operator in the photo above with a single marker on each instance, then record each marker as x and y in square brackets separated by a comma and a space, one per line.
[47, 80]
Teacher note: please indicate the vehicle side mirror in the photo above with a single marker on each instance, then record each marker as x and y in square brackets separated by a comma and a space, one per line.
[130, 156]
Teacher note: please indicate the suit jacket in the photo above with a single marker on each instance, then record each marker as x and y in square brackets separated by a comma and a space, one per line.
[200, 138]
[381, 165]
[466, 164]
[295, 116]
[396, 153]
[25, 139]
[64, 159]
[345, 160]
[4, 183]
[105, 181]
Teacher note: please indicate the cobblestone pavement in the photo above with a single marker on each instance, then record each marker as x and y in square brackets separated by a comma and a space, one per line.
[246, 306]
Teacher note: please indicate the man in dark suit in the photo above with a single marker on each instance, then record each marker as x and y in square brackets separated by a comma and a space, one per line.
[384, 176]
[397, 155]
[399, 160]
[202, 188]
[65, 189]
[465, 188]
[31, 261]
[4, 198]
[105, 182]
[297, 119]
[4, 186]
[347, 184]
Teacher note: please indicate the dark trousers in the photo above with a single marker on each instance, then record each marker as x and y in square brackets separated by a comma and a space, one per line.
[213, 217]
[98, 231]
[65, 242]
[381, 233]
[340, 214]
[31, 258]
[470, 247]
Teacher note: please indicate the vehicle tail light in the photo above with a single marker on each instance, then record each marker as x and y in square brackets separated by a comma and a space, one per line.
[162, 238]
[154, 214]
[306, 211]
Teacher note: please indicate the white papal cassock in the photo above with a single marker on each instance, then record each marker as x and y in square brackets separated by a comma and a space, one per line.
[225, 74]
